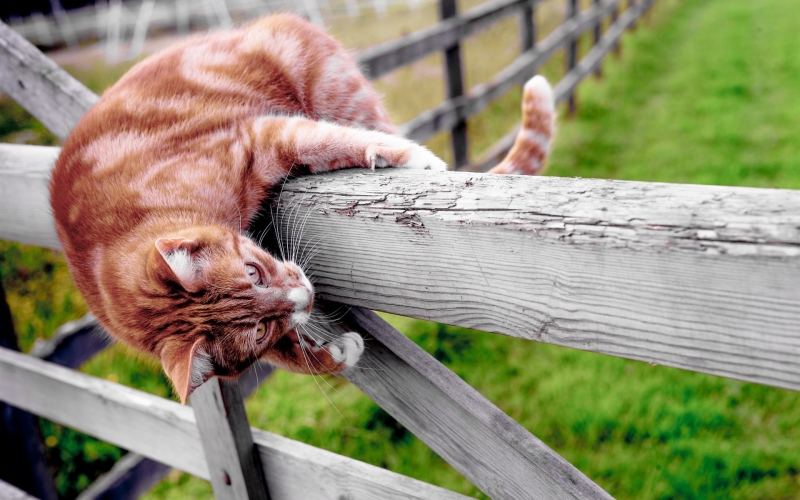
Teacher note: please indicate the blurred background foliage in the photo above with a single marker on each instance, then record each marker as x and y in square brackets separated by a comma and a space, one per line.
[703, 91]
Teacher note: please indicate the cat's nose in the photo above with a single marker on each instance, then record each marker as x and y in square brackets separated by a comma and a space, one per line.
[300, 297]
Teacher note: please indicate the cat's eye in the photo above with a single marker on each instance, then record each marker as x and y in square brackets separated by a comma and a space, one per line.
[261, 332]
[254, 274]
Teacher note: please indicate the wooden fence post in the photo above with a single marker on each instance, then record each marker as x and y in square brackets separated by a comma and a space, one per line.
[233, 462]
[454, 78]
[22, 461]
[527, 27]
[598, 33]
[572, 50]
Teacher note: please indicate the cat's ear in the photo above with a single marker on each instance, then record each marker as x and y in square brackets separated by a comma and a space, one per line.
[187, 365]
[178, 258]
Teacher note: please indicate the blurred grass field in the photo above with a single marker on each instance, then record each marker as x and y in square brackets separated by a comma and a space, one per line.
[706, 91]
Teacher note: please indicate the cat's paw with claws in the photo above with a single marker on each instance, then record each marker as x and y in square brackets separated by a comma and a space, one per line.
[347, 349]
[411, 156]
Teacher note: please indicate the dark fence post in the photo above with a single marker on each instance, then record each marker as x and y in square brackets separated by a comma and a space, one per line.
[598, 32]
[572, 50]
[455, 87]
[233, 461]
[22, 460]
[527, 27]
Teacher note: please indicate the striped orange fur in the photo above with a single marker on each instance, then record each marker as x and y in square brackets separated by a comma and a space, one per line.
[156, 186]
[531, 147]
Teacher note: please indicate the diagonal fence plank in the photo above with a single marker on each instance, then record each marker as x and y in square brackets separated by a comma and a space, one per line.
[487, 446]
[39, 85]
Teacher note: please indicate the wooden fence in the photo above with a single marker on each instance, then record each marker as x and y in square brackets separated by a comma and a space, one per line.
[705, 278]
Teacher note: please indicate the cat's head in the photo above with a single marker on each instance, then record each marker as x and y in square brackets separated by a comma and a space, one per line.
[224, 302]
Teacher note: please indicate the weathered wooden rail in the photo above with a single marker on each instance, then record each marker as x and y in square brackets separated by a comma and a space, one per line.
[705, 278]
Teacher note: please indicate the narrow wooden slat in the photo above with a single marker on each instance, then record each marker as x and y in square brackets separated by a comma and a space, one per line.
[527, 27]
[233, 463]
[444, 116]
[384, 58]
[454, 80]
[167, 431]
[572, 50]
[474, 436]
[46, 91]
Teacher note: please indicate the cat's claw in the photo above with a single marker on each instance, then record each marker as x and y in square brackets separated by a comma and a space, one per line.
[347, 349]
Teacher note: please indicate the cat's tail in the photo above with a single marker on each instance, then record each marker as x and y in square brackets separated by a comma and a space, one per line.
[532, 145]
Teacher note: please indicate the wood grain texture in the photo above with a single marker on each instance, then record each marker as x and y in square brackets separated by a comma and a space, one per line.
[24, 197]
[167, 432]
[487, 446]
[233, 463]
[384, 58]
[697, 277]
[450, 112]
[705, 278]
[39, 85]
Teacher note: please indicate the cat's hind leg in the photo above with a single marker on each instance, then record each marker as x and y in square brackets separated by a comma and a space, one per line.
[324, 146]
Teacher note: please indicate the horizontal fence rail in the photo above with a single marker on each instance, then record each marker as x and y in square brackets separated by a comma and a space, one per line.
[167, 431]
[705, 278]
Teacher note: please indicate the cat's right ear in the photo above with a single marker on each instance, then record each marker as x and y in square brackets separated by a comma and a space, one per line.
[187, 366]
[176, 259]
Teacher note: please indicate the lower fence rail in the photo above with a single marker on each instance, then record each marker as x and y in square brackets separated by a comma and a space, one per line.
[167, 432]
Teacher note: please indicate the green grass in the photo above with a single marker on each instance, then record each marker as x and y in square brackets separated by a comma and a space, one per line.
[705, 92]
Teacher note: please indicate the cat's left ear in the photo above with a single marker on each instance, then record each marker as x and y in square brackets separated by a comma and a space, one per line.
[187, 366]
[180, 261]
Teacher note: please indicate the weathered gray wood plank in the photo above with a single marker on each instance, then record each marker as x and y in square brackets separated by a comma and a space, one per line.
[697, 277]
[450, 112]
[167, 431]
[39, 85]
[474, 436]
[233, 462]
[384, 58]
[24, 197]
[705, 278]
[74, 343]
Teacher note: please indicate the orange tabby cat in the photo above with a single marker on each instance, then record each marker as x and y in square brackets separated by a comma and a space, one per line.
[155, 185]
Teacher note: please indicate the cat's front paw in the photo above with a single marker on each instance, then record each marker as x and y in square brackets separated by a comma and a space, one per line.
[421, 158]
[347, 349]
